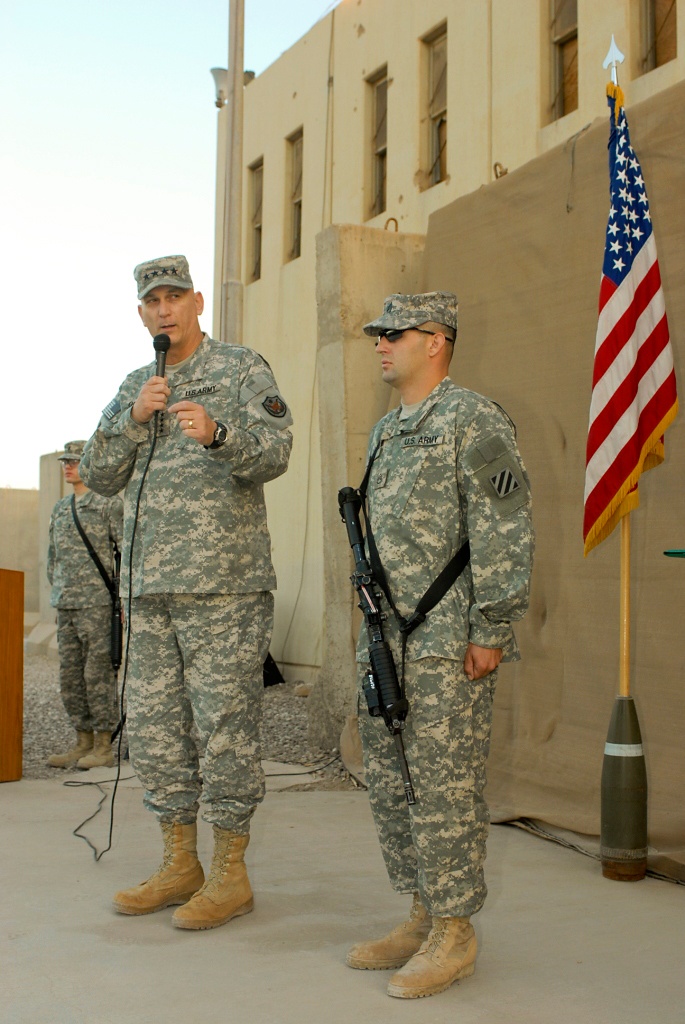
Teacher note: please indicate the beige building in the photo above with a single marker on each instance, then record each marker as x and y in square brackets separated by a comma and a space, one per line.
[382, 115]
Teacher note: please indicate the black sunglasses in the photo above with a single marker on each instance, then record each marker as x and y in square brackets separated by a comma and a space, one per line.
[396, 335]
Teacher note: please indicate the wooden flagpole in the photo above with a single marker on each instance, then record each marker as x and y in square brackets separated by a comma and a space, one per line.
[623, 829]
[624, 658]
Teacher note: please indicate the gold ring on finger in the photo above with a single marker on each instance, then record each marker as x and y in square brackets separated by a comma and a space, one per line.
[190, 423]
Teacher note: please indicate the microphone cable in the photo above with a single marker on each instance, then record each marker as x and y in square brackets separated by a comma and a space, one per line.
[161, 348]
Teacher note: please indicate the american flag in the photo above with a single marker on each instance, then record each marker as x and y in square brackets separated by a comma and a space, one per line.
[634, 395]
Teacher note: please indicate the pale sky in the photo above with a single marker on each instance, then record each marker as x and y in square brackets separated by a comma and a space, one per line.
[108, 129]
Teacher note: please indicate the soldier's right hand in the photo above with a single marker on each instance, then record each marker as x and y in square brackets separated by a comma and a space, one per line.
[152, 398]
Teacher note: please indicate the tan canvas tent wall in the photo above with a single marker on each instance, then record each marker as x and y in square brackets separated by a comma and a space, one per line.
[524, 255]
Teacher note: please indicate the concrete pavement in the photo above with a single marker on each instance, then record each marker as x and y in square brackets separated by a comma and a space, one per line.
[558, 943]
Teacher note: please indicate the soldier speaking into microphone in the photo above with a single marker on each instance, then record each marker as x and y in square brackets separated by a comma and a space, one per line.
[193, 447]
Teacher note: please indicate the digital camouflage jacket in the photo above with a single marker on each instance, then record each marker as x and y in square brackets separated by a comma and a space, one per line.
[201, 522]
[75, 581]
[448, 473]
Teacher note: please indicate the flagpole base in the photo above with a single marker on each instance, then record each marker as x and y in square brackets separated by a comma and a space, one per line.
[623, 836]
[624, 870]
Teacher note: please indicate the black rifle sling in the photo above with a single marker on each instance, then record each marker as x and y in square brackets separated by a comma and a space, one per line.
[91, 550]
[438, 588]
[374, 558]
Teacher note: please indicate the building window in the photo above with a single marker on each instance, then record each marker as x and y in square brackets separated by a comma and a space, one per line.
[255, 193]
[294, 245]
[564, 56]
[659, 32]
[378, 86]
[437, 106]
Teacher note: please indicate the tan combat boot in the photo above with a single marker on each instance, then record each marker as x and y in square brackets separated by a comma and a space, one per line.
[178, 877]
[226, 893]
[101, 756]
[394, 949]
[84, 744]
[448, 954]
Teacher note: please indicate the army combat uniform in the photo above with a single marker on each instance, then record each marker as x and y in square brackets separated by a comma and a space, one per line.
[448, 473]
[201, 576]
[87, 681]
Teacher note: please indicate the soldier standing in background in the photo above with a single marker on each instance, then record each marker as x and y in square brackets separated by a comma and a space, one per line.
[444, 469]
[201, 611]
[87, 679]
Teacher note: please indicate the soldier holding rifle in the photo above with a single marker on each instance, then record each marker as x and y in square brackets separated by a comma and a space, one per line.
[443, 469]
[83, 602]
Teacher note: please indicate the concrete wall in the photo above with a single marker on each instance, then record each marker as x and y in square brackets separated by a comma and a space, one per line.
[42, 639]
[19, 539]
[52, 488]
[356, 268]
[498, 96]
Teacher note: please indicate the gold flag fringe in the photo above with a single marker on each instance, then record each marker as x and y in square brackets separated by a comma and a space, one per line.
[626, 499]
[616, 93]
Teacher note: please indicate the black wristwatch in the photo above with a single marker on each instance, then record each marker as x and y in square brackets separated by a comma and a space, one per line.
[220, 435]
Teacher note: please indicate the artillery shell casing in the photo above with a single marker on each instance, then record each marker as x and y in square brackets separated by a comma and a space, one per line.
[623, 837]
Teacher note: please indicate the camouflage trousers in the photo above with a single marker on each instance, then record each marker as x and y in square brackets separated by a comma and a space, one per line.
[198, 658]
[436, 846]
[86, 678]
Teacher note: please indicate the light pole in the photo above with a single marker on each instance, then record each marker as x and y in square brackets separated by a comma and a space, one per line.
[220, 76]
[231, 280]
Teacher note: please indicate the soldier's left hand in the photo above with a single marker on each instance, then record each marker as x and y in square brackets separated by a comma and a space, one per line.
[481, 661]
[194, 421]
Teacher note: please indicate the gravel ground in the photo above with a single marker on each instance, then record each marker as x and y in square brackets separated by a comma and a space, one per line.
[284, 729]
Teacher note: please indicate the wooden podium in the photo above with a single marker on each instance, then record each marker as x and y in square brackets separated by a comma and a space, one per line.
[11, 673]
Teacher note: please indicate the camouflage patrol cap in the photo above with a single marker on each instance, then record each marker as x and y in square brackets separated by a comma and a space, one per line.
[172, 271]
[73, 450]
[400, 312]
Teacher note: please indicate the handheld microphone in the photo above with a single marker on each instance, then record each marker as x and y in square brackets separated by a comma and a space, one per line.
[162, 344]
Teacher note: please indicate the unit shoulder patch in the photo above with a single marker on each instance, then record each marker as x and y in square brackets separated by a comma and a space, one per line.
[498, 472]
[504, 482]
[271, 407]
[275, 406]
